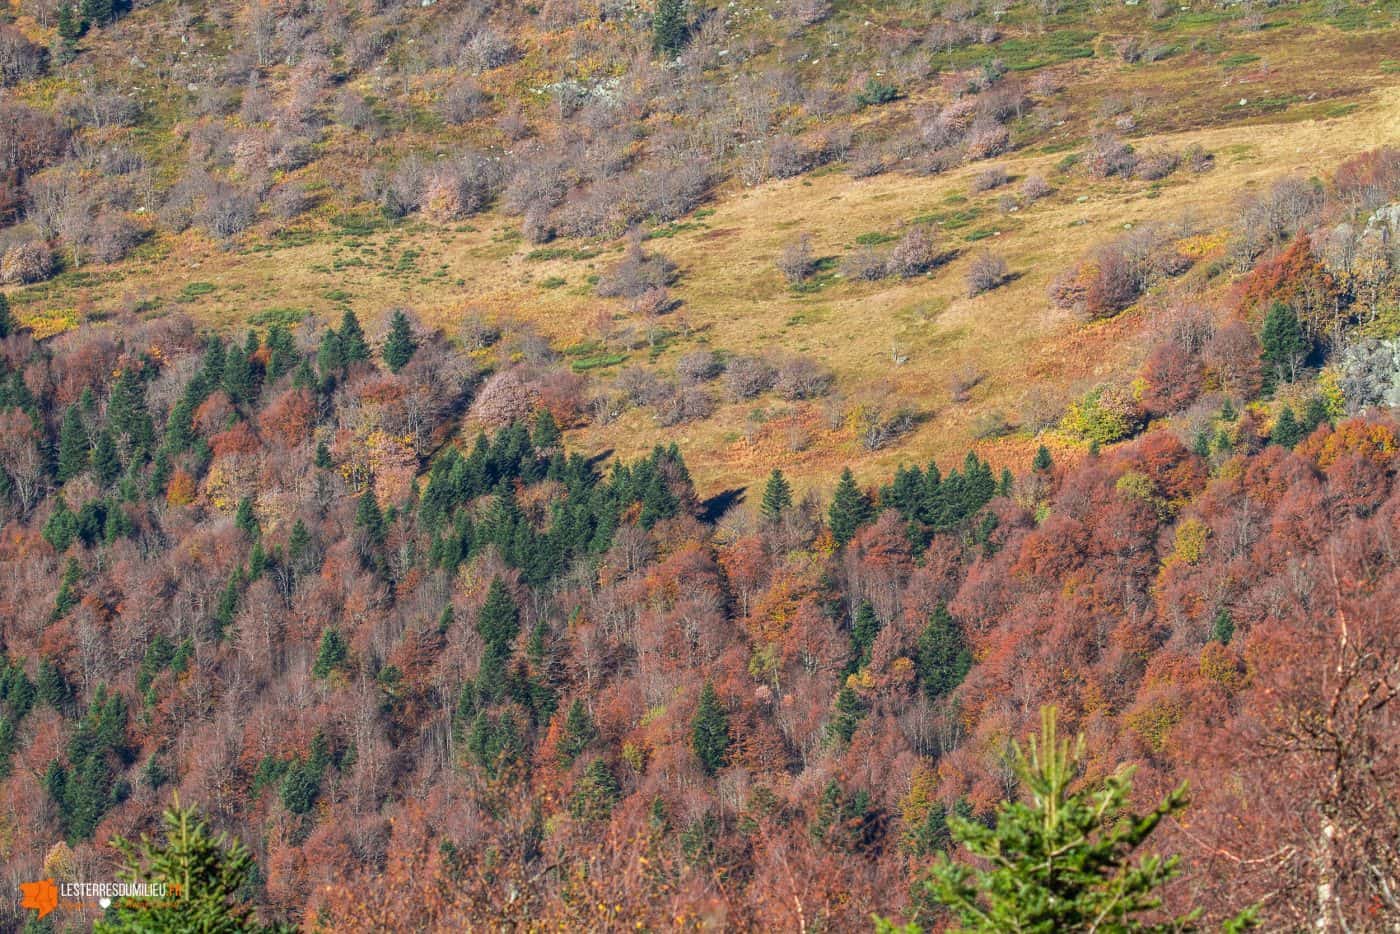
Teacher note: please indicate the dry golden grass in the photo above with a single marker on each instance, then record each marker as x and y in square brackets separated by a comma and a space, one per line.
[733, 298]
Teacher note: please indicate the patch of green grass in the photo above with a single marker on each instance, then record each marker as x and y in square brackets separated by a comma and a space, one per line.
[598, 362]
[553, 282]
[336, 295]
[875, 238]
[194, 290]
[1238, 60]
[1390, 67]
[360, 223]
[285, 317]
[668, 231]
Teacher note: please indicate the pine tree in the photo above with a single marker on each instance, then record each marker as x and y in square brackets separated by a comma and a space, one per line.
[323, 456]
[369, 518]
[330, 357]
[498, 621]
[106, 465]
[709, 731]
[7, 321]
[1062, 861]
[400, 345]
[246, 520]
[1284, 345]
[51, 687]
[67, 596]
[1201, 445]
[208, 881]
[847, 715]
[1287, 432]
[1043, 462]
[179, 427]
[669, 28]
[70, 25]
[73, 451]
[238, 379]
[546, 435]
[98, 12]
[850, 508]
[331, 654]
[579, 733]
[61, 527]
[863, 632]
[282, 354]
[942, 658]
[1222, 629]
[1314, 414]
[777, 496]
[596, 794]
[353, 346]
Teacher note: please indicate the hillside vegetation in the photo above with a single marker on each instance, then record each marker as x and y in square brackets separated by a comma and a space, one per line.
[598, 465]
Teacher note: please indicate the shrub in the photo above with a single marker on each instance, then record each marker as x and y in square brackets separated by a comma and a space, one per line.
[505, 397]
[20, 59]
[1156, 165]
[461, 102]
[682, 403]
[876, 92]
[30, 261]
[1103, 415]
[699, 366]
[986, 272]
[800, 377]
[795, 261]
[637, 272]
[865, 264]
[913, 255]
[748, 376]
[987, 179]
[1109, 156]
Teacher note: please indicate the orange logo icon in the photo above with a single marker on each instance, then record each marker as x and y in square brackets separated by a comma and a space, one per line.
[41, 896]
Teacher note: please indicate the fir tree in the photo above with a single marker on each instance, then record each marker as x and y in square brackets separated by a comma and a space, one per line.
[669, 27]
[353, 346]
[323, 456]
[1314, 414]
[846, 716]
[98, 12]
[596, 794]
[70, 26]
[400, 345]
[61, 527]
[777, 496]
[7, 321]
[579, 733]
[238, 379]
[1062, 861]
[331, 654]
[369, 518]
[330, 357]
[1284, 345]
[106, 465]
[1222, 629]
[863, 632]
[498, 621]
[246, 520]
[209, 879]
[1287, 432]
[73, 450]
[546, 435]
[709, 731]
[850, 509]
[942, 658]
[51, 687]
[179, 427]
[282, 354]
[1043, 462]
[1200, 446]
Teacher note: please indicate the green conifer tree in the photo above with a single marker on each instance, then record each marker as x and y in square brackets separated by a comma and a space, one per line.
[942, 658]
[1287, 432]
[596, 794]
[331, 654]
[850, 508]
[709, 731]
[106, 465]
[498, 621]
[863, 632]
[1222, 629]
[579, 733]
[1043, 462]
[669, 28]
[777, 496]
[208, 878]
[73, 448]
[353, 346]
[1062, 860]
[7, 320]
[846, 716]
[1285, 347]
[400, 345]
[369, 518]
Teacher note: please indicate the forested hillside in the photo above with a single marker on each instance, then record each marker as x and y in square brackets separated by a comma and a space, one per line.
[365, 607]
[600, 465]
